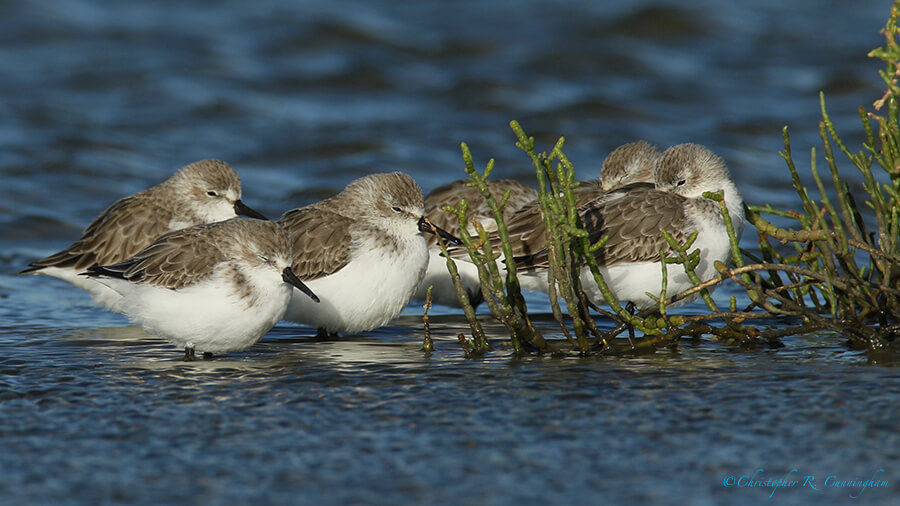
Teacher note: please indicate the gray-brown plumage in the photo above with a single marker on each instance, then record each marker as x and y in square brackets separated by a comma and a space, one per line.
[362, 252]
[324, 234]
[135, 221]
[626, 165]
[202, 192]
[630, 167]
[444, 291]
[633, 217]
[634, 162]
[323, 238]
[181, 258]
[187, 256]
[218, 286]
[451, 193]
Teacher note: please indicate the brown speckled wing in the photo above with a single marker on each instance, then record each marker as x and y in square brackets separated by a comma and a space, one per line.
[451, 193]
[526, 225]
[632, 220]
[175, 260]
[320, 239]
[526, 231]
[122, 230]
[448, 194]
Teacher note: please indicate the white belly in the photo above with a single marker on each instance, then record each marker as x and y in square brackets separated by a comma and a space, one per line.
[209, 315]
[630, 282]
[100, 293]
[444, 292]
[367, 293]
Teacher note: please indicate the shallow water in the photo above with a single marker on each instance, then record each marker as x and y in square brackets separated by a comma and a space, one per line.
[105, 99]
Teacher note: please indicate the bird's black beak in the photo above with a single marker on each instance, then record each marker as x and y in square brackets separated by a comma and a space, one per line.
[290, 278]
[242, 210]
[427, 226]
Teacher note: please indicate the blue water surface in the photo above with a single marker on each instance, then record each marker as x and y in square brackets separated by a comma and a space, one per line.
[102, 99]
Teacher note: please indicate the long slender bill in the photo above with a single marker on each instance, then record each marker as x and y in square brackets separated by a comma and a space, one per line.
[427, 226]
[290, 278]
[243, 210]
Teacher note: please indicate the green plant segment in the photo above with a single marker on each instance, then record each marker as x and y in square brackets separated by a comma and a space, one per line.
[570, 250]
[501, 294]
[844, 270]
[832, 263]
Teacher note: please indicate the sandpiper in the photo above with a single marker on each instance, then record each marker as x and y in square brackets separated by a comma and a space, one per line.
[626, 165]
[633, 217]
[362, 252]
[202, 192]
[214, 288]
[450, 194]
[630, 163]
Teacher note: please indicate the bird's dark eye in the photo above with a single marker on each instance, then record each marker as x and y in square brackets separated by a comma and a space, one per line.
[397, 209]
[681, 182]
[212, 193]
[264, 259]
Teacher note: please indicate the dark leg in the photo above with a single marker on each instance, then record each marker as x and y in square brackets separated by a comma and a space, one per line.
[324, 335]
[475, 298]
[630, 307]
[207, 355]
[189, 355]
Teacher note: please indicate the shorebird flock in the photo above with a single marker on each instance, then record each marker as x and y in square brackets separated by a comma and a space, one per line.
[180, 260]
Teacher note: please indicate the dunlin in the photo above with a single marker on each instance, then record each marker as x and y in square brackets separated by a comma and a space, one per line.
[362, 252]
[214, 288]
[630, 163]
[450, 194]
[626, 165]
[633, 217]
[202, 192]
